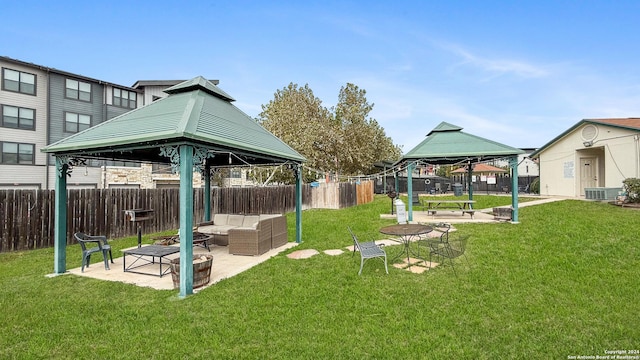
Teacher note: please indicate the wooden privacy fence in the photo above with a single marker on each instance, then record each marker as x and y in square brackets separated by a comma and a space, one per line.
[27, 216]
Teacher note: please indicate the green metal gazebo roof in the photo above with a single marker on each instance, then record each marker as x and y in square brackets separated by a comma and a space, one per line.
[448, 144]
[196, 112]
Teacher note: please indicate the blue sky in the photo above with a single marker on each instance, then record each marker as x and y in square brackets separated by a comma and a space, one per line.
[516, 72]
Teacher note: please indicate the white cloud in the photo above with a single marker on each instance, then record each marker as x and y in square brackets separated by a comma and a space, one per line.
[495, 66]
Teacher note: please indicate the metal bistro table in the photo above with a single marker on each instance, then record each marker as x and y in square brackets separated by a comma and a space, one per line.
[155, 251]
[406, 232]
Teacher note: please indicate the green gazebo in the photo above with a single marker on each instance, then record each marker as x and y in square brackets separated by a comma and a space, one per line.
[195, 128]
[447, 144]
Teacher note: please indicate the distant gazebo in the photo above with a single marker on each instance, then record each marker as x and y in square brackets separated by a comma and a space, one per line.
[195, 128]
[447, 144]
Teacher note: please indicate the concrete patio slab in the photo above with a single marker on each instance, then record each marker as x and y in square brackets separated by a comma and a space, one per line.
[456, 217]
[224, 266]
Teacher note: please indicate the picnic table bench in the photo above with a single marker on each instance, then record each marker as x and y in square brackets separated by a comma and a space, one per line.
[465, 206]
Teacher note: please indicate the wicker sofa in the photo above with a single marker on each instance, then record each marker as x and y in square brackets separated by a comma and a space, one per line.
[247, 234]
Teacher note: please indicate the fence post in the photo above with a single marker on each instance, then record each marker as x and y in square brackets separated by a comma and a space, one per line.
[299, 203]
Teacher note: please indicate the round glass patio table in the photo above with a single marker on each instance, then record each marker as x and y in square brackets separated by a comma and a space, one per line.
[406, 233]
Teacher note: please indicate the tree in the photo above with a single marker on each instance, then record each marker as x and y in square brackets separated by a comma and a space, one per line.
[348, 141]
[298, 118]
[363, 141]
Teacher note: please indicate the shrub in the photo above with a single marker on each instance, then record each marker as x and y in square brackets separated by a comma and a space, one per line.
[632, 188]
[534, 187]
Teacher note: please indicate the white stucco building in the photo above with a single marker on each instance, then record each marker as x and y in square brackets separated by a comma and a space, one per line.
[594, 154]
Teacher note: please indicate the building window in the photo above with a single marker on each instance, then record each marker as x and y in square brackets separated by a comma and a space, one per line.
[18, 118]
[18, 81]
[74, 123]
[124, 98]
[78, 90]
[161, 169]
[14, 153]
[236, 174]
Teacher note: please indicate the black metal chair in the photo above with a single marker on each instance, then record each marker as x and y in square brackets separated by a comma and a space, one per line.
[451, 249]
[368, 250]
[103, 247]
[444, 228]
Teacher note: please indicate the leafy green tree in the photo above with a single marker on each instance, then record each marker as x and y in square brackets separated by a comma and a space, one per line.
[298, 118]
[347, 141]
[444, 171]
[363, 141]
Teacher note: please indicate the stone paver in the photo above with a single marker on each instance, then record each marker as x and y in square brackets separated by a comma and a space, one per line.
[333, 252]
[303, 254]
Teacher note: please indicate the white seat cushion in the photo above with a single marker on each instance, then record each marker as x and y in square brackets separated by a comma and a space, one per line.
[235, 220]
[220, 219]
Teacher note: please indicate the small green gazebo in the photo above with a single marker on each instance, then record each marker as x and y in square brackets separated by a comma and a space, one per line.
[447, 144]
[195, 128]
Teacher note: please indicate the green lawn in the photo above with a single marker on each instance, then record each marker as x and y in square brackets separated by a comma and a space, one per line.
[562, 282]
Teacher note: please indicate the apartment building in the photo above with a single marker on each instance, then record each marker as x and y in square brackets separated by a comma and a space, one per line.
[40, 105]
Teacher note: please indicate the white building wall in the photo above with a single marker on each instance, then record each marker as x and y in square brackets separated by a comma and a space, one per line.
[527, 167]
[21, 176]
[617, 154]
[153, 91]
[622, 156]
[81, 177]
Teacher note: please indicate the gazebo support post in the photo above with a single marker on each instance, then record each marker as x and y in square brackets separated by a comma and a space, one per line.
[60, 227]
[207, 193]
[513, 162]
[298, 172]
[186, 220]
[396, 182]
[384, 179]
[469, 180]
[410, 168]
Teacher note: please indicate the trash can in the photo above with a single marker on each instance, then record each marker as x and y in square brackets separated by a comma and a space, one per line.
[457, 189]
[401, 212]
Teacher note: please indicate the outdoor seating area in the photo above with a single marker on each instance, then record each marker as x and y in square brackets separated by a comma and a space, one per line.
[247, 234]
[224, 265]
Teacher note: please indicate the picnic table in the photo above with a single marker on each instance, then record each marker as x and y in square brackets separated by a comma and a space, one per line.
[465, 206]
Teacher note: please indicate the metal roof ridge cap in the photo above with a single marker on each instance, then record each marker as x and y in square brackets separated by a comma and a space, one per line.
[183, 126]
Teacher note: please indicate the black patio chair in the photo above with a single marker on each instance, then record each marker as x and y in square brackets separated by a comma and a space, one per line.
[103, 247]
[368, 250]
[451, 249]
[444, 228]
